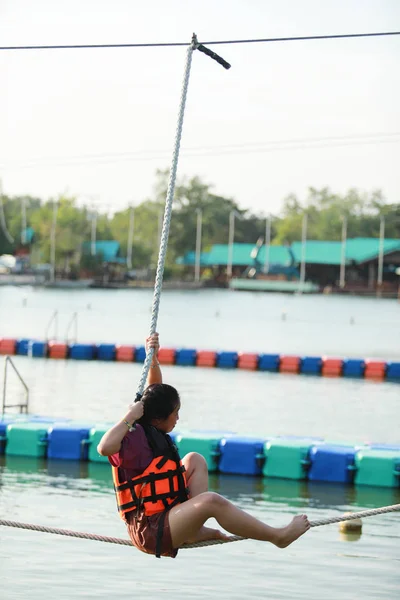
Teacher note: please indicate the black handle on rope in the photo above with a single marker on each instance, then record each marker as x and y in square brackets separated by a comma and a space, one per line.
[213, 55]
[210, 53]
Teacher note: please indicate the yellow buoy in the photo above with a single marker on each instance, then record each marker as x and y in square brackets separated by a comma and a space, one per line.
[351, 529]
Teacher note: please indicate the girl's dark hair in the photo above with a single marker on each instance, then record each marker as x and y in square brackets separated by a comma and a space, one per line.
[159, 401]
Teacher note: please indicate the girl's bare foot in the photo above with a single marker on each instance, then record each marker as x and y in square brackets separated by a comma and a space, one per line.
[297, 527]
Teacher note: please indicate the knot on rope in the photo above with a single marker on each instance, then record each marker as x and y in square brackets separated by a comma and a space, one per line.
[195, 43]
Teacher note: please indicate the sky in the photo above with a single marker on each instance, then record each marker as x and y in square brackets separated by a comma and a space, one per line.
[98, 123]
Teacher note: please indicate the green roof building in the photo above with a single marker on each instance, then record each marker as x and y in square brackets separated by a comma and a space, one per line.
[218, 255]
[361, 265]
[108, 250]
[323, 261]
[358, 250]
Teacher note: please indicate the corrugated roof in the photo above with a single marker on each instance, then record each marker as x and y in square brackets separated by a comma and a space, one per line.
[357, 250]
[109, 249]
[241, 255]
[190, 259]
[280, 255]
[319, 252]
[362, 249]
[219, 254]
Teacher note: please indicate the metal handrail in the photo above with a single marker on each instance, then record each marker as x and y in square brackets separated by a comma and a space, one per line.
[73, 321]
[54, 317]
[22, 407]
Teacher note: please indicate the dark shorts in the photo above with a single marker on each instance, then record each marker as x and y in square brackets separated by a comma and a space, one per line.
[143, 533]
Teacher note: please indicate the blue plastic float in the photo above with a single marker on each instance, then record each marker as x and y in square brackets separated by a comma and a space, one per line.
[22, 347]
[140, 354]
[311, 365]
[307, 365]
[269, 362]
[186, 357]
[106, 351]
[393, 371]
[227, 360]
[242, 455]
[82, 351]
[283, 457]
[26, 347]
[353, 367]
[68, 441]
[332, 462]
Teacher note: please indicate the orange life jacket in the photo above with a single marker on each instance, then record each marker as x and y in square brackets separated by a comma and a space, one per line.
[160, 486]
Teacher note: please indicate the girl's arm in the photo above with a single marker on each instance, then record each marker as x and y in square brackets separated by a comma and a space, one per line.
[111, 441]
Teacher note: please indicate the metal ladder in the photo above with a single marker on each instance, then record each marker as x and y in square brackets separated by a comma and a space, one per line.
[72, 322]
[54, 319]
[23, 406]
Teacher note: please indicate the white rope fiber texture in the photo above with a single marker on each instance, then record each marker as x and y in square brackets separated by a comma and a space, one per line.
[167, 216]
[233, 538]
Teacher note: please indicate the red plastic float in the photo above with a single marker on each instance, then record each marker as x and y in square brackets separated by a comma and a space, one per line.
[166, 356]
[206, 358]
[332, 367]
[58, 350]
[247, 361]
[289, 364]
[375, 369]
[8, 346]
[125, 353]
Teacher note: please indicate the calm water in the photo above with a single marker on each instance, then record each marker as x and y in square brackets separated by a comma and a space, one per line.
[214, 319]
[79, 496]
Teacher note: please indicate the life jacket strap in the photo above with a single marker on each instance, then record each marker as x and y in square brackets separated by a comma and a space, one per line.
[160, 529]
[161, 462]
[152, 499]
[151, 477]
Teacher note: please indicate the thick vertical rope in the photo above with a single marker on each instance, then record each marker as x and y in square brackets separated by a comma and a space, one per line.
[169, 200]
[167, 216]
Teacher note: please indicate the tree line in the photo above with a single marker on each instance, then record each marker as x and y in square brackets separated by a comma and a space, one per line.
[325, 211]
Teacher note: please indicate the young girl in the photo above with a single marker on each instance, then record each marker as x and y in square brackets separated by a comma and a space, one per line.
[163, 500]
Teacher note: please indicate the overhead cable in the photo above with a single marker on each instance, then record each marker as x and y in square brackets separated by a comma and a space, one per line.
[199, 151]
[172, 44]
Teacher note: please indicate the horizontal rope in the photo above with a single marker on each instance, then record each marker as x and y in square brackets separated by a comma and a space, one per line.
[67, 532]
[357, 515]
[233, 538]
[302, 38]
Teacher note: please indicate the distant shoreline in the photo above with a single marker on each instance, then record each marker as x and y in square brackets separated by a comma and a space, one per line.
[84, 284]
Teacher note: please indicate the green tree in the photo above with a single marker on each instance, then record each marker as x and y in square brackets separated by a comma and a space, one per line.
[192, 195]
[326, 211]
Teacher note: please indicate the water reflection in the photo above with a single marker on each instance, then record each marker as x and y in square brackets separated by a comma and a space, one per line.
[100, 474]
[374, 497]
[23, 464]
[235, 487]
[67, 469]
[239, 489]
[324, 495]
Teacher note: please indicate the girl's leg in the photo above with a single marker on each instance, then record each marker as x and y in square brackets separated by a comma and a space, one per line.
[187, 519]
[196, 473]
[197, 478]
